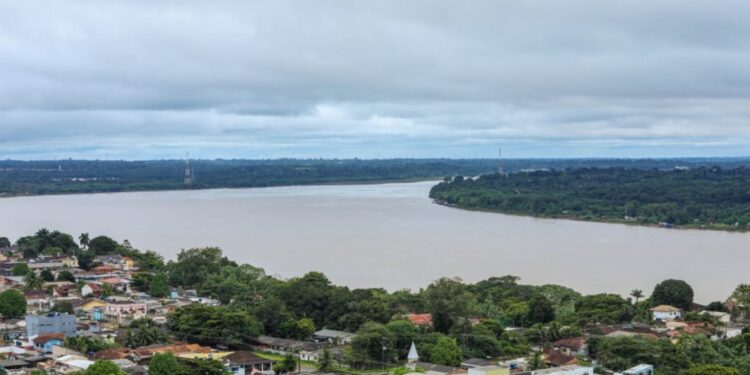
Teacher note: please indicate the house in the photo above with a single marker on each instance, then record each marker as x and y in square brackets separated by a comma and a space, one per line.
[476, 362]
[37, 300]
[114, 260]
[90, 289]
[333, 337]
[45, 342]
[13, 365]
[244, 363]
[557, 359]
[92, 310]
[37, 325]
[123, 311]
[420, 319]
[564, 370]
[434, 369]
[722, 317]
[120, 284]
[573, 346]
[666, 312]
[489, 370]
[285, 346]
[71, 363]
[641, 369]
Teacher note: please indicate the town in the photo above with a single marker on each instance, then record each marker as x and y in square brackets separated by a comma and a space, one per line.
[96, 306]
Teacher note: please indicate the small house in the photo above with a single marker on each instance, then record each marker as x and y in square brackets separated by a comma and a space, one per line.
[666, 312]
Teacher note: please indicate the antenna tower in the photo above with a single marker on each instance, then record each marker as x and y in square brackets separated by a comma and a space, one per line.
[188, 171]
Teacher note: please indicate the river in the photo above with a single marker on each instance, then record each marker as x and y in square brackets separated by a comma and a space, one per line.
[392, 236]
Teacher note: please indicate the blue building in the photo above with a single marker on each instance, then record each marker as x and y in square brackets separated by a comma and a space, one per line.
[51, 323]
[44, 343]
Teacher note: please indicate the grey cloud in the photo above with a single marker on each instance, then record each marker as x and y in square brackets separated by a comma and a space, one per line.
[388, 78]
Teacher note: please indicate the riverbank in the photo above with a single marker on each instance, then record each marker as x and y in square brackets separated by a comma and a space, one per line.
[719, 228]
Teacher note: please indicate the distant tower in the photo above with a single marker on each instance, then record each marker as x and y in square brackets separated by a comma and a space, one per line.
[412, 358]
[500, 165]
[188, 172]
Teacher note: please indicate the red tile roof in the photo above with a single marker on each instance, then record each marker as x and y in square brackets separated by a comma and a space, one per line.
[420, 319]
[43, 339]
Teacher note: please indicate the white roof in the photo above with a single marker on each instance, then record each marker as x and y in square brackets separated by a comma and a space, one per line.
[79, 363]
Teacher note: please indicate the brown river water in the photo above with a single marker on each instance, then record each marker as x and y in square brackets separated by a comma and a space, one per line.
[392, 236]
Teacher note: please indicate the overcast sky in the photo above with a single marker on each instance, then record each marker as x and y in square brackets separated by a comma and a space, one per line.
[249, 79]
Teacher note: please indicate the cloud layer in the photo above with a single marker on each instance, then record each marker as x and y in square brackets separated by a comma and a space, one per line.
[142, 79]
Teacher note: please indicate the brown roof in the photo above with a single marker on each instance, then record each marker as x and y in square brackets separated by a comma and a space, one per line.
[573, 343]
[43, 339]
[558, 359]
[665, 308]
[244, 357]
[111, 354]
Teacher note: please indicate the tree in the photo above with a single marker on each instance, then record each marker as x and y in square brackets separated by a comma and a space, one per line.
[286, 365]
[607, 308]
[211, 325]
[32, 281]
[12, 304]
[449, 302]
[163, 364]
[541, 310]
[47, 275]
[103, 245]
[637, 294]
[712, 370]
[159, 286]
[63, 307]
[194, 266]
[4, 242]
[536, 362]
[107, 290]
[300, 329]
[325, 362]
[143, 332]
[84, 240]
[104, 367]
[446, 352]
[673, 292]
[20, 269]
[66, 275]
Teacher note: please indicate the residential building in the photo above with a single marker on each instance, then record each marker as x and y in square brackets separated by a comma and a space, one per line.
[124, 311]
[641, 369]
[564, 370]
[333, 337]
[573, 346]
[489, 370]
[666, 312]
[45, 342]
[37, 325]
[244, 363]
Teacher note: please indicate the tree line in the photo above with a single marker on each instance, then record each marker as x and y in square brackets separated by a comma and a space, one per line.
[706, 197]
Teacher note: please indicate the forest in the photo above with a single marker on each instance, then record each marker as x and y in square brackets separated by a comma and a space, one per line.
[90, 176]
[703, 197]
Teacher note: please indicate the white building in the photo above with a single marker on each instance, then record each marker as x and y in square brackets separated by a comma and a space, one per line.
[565, 370]
[641, 369]
[666, 312]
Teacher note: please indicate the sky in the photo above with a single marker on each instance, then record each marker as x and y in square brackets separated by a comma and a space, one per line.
[141, 79]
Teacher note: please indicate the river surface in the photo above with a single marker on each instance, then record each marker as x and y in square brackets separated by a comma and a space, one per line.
[392, 236]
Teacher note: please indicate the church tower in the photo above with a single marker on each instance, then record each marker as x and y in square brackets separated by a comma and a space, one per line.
[413, 358]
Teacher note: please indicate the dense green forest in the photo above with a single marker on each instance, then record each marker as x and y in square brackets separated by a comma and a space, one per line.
[85, 176]
[704, 197]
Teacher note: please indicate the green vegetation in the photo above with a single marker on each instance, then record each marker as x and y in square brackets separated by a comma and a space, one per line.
[12, 304]
[713, 198]
[88, 176]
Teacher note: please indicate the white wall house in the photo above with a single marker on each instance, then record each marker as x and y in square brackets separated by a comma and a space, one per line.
[666, 312]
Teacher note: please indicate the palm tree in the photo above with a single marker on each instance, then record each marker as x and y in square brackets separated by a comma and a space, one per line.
[84, 240]
[32, 281]
[637, 294]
